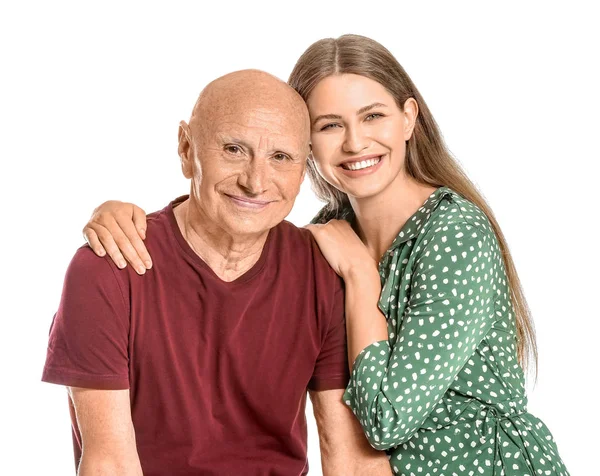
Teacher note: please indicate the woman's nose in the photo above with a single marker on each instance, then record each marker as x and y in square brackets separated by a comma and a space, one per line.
[354, 140]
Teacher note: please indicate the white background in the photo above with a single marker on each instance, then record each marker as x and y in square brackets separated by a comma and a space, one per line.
[91, 95]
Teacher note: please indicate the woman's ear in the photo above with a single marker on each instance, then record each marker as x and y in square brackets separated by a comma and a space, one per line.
[411, 112]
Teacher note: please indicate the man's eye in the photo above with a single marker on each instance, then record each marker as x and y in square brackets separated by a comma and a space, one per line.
[233, 149]
[375, 115]
[280, 157]
[329, 126]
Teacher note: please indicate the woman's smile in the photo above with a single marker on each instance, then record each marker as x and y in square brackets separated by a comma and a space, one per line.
[362, 165]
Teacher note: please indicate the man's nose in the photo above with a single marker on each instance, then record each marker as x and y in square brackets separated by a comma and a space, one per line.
[255, 176]
[354, 140]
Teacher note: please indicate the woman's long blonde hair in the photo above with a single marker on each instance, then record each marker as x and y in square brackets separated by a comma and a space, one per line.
[428, 160]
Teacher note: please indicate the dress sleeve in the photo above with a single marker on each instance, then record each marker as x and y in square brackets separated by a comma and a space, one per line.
[88, 344]
[450, 309]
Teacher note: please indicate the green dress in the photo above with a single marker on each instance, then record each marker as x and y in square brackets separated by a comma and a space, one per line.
[445, 394]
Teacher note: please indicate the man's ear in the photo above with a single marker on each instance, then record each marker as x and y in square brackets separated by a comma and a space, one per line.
[303, 174]
[185, 150]
[308, 157]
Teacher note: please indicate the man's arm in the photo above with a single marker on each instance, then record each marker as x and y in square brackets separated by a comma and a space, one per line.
[107, 433]
[344, 448]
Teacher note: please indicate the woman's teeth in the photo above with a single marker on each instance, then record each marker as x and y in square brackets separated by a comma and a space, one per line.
[362, 165]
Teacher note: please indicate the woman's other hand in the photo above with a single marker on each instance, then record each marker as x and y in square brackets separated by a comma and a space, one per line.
[119, 228]
[342, 248]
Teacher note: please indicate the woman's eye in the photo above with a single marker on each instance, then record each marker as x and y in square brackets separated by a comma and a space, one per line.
[329, 126]
[375, 115]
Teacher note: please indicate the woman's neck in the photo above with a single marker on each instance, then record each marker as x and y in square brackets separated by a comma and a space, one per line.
[380, 218]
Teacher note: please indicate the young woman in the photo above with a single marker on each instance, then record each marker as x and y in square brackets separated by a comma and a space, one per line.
[438, 328]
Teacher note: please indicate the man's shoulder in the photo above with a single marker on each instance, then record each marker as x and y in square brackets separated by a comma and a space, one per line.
[158, 219]
[300, 247]
[293, 234]
[87, 271]
[159, 231]
[299, 240]
[86, 261]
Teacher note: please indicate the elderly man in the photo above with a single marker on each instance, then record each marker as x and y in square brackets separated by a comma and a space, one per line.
[201, 367]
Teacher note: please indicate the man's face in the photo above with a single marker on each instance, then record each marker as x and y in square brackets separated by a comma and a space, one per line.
[246, 165]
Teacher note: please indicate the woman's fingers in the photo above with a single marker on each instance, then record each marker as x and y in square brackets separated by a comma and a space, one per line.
[131, 243]
[92, 239]
[122, 240]
[139, 220]
[107, 239]
[117, 229]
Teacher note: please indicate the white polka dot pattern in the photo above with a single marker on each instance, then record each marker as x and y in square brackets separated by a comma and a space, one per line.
[445, 394]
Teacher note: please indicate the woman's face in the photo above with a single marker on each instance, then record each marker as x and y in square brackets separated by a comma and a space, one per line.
[359, 134]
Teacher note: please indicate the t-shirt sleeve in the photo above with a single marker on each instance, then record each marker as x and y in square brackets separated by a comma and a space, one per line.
[331, 369]
[88, 344]
[450, 310]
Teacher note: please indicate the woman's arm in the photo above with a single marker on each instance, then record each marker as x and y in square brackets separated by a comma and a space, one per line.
[349, 258]
[450, 310]
[394, 389]
[119, 228]
[365, 324]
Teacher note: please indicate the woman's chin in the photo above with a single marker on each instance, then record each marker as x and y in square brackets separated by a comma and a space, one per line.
[365, 192]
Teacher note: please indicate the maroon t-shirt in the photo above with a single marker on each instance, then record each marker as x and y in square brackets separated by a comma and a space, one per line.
[217, 371]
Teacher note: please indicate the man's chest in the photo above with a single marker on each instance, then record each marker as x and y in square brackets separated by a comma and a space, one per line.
[260, 340]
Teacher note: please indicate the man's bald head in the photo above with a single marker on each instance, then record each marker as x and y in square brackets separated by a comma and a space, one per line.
[245, 151]
[243, 91]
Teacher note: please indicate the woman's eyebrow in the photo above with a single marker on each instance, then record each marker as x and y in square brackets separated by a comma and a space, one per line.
[362, 110]
[326, 116]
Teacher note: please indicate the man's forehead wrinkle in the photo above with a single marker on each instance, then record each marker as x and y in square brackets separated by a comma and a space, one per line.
[236, 125]
[272, 120]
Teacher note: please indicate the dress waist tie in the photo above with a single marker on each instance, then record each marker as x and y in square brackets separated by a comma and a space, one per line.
[492, 413]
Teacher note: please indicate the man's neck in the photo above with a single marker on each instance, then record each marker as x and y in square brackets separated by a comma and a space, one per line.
[228, 256]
